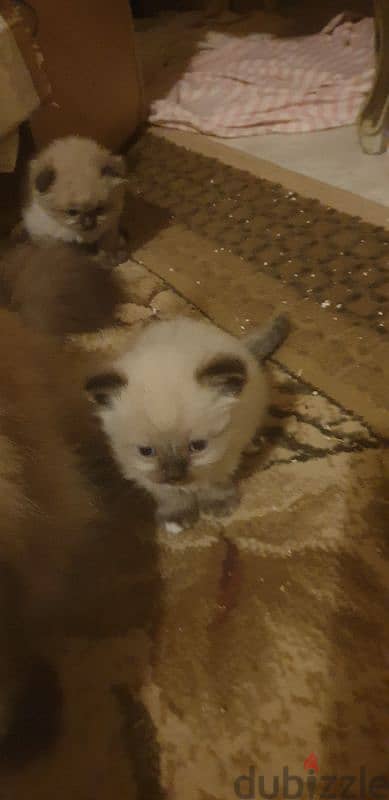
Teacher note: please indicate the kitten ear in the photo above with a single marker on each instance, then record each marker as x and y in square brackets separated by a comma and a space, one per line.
[115, 168]
[44, 179]
[102, 387]
[228, 373]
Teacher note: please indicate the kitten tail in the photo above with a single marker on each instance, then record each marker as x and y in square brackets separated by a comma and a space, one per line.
[262, 342]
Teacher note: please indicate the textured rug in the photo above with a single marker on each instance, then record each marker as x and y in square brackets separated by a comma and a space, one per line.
[247, 658]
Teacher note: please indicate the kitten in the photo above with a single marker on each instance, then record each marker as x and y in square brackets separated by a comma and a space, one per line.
[58, 289]
[48, 505]
[180, 407]
[76, 193]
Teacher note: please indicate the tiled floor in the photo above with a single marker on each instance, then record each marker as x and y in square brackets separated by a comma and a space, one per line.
[332, 156]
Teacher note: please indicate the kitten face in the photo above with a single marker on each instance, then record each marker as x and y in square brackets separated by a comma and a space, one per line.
[79, 186]
[177, 421]
[86, 220]
[179, 453]
[173, 442]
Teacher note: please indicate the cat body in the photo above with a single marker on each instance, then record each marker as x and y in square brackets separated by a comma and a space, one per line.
[59, 289]
[75, 193]
[49, 508]
[58, 276]
[75, 537]
[180, 407]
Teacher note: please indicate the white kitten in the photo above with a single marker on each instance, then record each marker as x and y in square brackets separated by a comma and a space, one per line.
[76, 193]
[180, 407]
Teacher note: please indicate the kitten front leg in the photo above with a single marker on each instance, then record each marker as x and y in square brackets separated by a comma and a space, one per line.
[19, 233]
[219, 500]
[177, 510]
[253, 448]
[113, 248]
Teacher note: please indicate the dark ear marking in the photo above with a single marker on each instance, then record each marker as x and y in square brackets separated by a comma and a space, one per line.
[225, 372]
[44, 179]
[262, 342]
[101, 387]
[114, 168]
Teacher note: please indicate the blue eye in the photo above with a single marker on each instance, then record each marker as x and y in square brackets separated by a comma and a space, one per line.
[198, 445]
[147, 452]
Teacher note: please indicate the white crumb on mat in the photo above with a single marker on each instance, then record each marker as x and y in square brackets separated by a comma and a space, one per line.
[173, 527]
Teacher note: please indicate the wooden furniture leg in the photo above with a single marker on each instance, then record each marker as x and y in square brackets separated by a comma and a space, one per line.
[374, 118]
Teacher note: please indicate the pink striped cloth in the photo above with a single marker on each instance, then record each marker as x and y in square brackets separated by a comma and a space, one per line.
[261, 83]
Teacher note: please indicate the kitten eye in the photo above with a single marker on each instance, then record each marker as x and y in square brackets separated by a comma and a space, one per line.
[198, 445]
[72, 212]
[100, 210]
[147, 452]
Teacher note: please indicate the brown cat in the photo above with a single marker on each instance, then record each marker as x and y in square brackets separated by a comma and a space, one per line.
[49, 507]
[59, 289]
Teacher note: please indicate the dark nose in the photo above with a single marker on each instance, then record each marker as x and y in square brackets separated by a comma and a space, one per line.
[175, 470]
[88, 221]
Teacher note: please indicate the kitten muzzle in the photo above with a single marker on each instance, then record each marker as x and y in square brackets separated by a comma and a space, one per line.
[175, 471]
[88, 221]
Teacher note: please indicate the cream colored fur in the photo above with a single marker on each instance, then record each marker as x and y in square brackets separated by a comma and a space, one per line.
[163, 405]
[79, 183]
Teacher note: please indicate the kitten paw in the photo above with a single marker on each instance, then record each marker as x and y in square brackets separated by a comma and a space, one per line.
[219, 502]
[19, 233]
[173, 527]
[253, 448]
[177, 521]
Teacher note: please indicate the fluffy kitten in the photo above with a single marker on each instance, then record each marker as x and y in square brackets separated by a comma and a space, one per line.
[48, 504]
[180, 407]
[59, 289]
[76, 193]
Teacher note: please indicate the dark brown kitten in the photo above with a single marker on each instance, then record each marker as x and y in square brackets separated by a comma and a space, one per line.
[76, 541]
[49, 507]
[59, 289]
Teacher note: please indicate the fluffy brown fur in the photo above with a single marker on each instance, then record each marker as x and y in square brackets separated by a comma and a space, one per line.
[70, 524]
[58, 289]
[48, 505]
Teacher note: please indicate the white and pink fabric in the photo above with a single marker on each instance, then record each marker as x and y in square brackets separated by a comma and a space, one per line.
[259, 83]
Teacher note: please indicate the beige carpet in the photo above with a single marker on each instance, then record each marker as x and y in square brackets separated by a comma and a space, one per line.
[257, 641]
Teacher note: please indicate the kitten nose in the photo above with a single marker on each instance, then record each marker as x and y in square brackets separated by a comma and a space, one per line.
[175, 470]
[88, 220]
